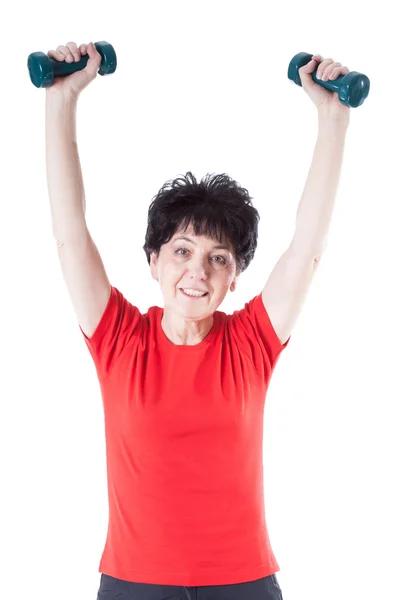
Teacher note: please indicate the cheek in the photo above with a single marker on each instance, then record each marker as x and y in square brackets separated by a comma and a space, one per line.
[173, 272]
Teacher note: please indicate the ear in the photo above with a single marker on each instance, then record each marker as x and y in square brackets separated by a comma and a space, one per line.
[234, 283]
[153, 265]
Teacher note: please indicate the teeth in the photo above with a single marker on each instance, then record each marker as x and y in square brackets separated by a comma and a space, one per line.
[193, 293]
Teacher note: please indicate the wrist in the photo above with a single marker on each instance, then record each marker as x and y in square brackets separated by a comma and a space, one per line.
[337, 121]
[61, 97]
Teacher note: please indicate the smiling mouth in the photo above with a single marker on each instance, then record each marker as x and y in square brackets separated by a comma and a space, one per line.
[194, 297]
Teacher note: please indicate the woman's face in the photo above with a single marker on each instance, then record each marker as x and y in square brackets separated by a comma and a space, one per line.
[194, 263]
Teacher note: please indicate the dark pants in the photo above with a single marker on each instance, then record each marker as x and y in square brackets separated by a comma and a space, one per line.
[266, 588]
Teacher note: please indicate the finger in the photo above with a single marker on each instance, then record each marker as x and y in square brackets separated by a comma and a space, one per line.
[83, 48]
[66, 52]
[322, 66]
[74, 50]
[56, 55]
[338, 71]
[328, 70]
[60, 53]
[308, 68]
[93, 52]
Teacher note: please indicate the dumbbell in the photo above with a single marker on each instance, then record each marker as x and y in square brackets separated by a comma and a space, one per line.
[43, 69]
[352, 89]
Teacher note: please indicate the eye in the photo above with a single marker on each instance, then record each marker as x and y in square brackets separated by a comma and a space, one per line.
[222, 260]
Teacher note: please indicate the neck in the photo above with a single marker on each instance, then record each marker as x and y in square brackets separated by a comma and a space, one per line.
[187, 332]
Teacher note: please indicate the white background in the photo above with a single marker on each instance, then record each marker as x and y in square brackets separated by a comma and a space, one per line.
[203, 86]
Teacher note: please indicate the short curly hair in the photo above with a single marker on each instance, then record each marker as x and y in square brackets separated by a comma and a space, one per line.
[217, 207]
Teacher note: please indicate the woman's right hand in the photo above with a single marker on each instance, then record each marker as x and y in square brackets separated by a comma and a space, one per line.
[75, 82]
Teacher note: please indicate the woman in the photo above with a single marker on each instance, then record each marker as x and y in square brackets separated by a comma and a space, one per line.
[184, 386]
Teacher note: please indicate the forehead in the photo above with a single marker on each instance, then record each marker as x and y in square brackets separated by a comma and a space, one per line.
[189, 236]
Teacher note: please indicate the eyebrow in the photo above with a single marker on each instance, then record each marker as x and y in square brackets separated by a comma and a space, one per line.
[217, 247]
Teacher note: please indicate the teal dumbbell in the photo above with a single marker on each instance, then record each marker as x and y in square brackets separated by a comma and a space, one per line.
[43, 69]
[352, 89]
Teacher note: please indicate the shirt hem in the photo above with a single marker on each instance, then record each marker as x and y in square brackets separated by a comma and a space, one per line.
[206, 578]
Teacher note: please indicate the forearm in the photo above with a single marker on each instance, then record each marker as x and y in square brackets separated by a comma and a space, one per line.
[316, 205]
[64, 175]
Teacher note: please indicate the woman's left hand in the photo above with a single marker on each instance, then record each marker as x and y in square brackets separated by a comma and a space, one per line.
[324, 100]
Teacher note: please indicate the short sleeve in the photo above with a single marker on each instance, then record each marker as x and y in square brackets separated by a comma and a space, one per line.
[254, 332]
[118, 324]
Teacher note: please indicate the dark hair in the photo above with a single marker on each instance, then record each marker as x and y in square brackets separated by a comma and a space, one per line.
[217, 207]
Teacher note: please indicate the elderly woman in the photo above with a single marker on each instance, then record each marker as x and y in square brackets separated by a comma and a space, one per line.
[184, 386]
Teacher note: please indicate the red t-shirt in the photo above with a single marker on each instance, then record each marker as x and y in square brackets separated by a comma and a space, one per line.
[184, 429]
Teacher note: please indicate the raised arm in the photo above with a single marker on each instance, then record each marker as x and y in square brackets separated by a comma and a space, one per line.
[287, 287]
[81, 264]
[64, 175]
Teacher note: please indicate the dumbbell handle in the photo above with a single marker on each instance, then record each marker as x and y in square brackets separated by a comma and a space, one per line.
[64, 68]
[332, 84]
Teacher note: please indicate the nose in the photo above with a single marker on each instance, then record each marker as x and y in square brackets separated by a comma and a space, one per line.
[198, 268]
